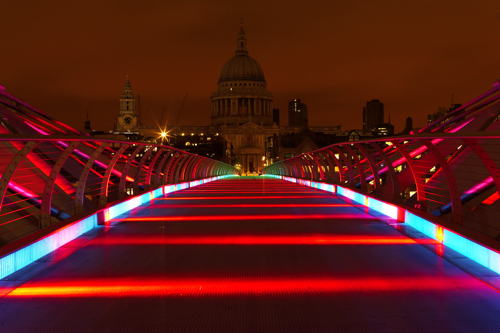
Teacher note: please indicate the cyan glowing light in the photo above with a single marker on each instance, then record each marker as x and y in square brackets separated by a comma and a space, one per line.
[323, 186]
[383, 207]
[21, 258]
[427, 228]
[480, 254]
[304, 182]
[354, 196]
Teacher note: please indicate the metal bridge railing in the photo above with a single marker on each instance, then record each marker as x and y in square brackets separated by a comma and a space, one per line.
[47, 179]
[453, 177]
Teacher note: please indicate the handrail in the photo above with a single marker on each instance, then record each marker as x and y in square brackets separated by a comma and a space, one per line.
[455, 177]
[48, 179]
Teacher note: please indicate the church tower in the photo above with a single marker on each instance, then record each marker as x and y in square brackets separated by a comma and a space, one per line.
[127, 120]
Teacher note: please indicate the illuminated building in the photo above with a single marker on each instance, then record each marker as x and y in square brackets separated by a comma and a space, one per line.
[242, 109]
[386, 129]
[245, 129]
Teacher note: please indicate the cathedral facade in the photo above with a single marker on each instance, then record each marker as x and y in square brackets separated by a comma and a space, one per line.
[244, 130]
[242, 109]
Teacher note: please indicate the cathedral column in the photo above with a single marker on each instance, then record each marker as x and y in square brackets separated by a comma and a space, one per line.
[234, 106]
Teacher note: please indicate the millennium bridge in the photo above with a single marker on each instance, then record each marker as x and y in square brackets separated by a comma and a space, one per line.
[399, 234]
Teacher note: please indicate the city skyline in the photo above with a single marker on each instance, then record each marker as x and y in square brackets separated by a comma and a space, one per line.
[331, 60]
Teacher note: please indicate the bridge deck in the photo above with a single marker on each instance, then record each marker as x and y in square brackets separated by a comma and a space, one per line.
[248, 255]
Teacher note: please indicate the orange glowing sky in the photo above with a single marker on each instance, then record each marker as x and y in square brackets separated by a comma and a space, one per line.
[69, 58]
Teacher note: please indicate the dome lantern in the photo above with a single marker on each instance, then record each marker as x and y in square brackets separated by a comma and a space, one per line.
[241, 67]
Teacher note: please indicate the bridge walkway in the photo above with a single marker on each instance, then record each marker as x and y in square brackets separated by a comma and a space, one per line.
[247, 254]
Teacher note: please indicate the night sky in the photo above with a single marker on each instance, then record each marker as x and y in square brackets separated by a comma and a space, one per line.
[71, 57]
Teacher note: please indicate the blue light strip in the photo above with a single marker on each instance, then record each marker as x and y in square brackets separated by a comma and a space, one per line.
[26, 255]
[480, 254]
[125, 206]
[427, 228]
[21, 258]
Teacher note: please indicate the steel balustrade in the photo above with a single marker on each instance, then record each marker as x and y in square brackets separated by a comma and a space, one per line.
[453, 177]
[448, 169]
[46, 179]
[440, 174]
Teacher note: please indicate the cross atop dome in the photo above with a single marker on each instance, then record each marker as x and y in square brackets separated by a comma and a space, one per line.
[241, 46]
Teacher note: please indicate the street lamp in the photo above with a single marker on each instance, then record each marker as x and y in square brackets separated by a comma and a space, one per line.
[163, 135]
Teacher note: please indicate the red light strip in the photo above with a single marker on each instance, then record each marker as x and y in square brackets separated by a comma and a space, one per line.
[134, 287]
[239, 191]
[251, 197]
[253, 206]
[244, 217]
[491, 199]
[323, 239]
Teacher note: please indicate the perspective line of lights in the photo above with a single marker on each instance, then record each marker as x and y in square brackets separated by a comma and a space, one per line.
[249, 286]
[302, 239]
[22, 257]
[481, 254]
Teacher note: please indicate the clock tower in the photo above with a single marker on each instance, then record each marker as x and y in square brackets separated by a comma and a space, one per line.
[127, 121]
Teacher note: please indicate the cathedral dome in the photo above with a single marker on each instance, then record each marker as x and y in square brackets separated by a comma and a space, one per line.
[241, 67]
